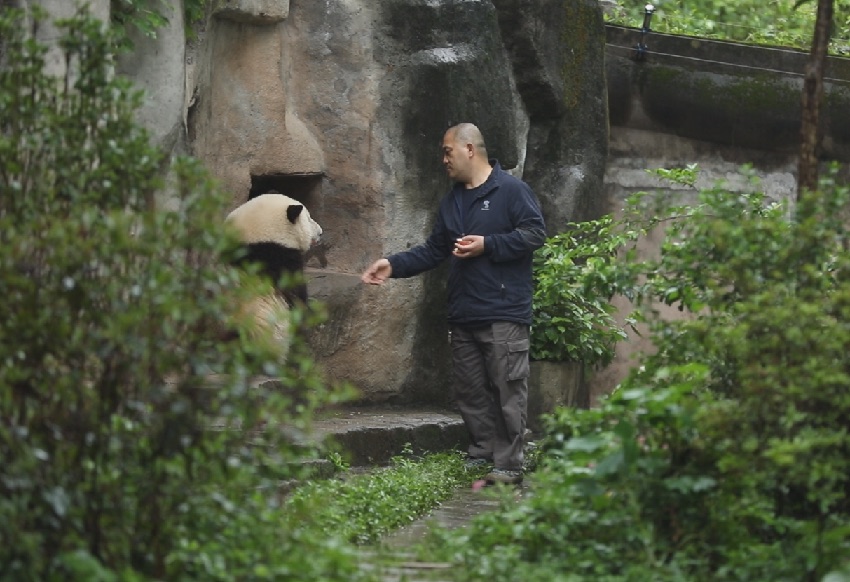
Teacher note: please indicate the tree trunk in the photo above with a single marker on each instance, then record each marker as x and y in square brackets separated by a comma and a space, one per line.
[807, 176]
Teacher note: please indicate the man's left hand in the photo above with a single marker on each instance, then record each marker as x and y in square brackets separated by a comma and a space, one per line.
[469, 246]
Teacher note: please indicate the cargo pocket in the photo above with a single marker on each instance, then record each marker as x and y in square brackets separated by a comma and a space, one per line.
[518, 368]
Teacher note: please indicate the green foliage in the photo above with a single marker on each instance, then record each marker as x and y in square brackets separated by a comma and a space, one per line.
[573, 317]
[120, 409]
[148, 16]
[602, 473]
[775, 22]
[577, 272]
[145, 16]
[363, 507]
[193, 13]
[686, 176]
[726, 454]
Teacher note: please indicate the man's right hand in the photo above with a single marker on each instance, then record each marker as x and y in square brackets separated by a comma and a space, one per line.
[377, 273]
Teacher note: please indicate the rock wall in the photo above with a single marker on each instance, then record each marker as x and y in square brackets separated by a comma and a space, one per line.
[157, 67]
[47, 33]
[343, 104]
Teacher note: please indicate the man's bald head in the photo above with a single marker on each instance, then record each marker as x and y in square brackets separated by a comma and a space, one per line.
[469, 134]
[465, 155]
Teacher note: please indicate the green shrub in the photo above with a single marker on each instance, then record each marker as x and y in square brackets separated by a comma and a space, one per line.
[605, 500]
[573, 316]
[772, 288]
[576, 274]
[148, 16]
[725, 455]
[126, 427]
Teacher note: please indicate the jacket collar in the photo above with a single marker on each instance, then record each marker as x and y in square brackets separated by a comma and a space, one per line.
[492, 182]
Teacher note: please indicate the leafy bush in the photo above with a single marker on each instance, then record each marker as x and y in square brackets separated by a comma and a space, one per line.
[771, 287]
[573, 316]
[606, 492]
[725, 455]
[577, 272]
[120, 411]
[148, 16]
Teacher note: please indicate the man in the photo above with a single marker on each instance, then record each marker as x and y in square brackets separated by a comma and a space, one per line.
[488, 226]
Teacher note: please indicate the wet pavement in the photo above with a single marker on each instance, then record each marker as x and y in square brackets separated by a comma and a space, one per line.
[394, 561]
[464, 505]
[371, 437]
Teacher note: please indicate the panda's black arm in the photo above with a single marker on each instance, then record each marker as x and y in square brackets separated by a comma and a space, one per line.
[276, 261]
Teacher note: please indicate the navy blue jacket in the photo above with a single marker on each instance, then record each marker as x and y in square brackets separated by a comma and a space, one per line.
[494, 286]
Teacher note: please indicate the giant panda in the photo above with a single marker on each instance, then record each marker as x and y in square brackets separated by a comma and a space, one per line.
[276, 231]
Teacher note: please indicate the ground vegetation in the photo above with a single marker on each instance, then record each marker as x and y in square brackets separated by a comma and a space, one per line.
[724, 455]
[787, 23]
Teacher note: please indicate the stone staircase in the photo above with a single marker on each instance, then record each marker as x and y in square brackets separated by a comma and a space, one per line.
[369, 436]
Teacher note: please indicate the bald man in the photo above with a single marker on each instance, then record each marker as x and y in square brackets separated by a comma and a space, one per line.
[488, 226]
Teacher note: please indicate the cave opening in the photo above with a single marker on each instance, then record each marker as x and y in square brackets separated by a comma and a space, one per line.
[306, 188]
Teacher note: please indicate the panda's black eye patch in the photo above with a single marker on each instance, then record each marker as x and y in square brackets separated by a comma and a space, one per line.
[293, 211]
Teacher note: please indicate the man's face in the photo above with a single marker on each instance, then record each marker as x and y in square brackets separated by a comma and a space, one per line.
[456, 158]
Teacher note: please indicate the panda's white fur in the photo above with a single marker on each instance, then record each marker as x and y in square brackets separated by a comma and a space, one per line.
[277, 230]
[276, 218]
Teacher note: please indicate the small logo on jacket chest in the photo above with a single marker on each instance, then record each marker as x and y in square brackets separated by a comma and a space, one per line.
[486, 205]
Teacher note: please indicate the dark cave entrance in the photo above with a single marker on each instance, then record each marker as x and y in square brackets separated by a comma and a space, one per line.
[306, 188]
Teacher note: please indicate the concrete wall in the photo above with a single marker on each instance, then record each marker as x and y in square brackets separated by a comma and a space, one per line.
[721, 92]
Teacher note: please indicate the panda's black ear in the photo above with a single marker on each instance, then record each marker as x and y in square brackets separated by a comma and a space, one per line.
[293, 211]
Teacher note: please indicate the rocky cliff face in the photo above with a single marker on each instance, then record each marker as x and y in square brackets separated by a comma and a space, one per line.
[343, 103]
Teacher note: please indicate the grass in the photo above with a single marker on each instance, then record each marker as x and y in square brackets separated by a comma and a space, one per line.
[360, 508]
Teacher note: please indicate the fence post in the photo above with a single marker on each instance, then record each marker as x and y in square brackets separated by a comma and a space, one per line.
[640, 49]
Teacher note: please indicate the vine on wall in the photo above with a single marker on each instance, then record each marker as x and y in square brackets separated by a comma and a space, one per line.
[148, 16]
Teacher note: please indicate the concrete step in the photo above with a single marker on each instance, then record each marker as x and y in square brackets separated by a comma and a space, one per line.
[372, 436]
[369, 435]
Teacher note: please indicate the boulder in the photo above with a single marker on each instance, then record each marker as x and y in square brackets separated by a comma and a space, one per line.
[343, 105]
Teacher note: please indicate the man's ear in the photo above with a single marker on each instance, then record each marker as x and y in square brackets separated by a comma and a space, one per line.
[470, 150]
